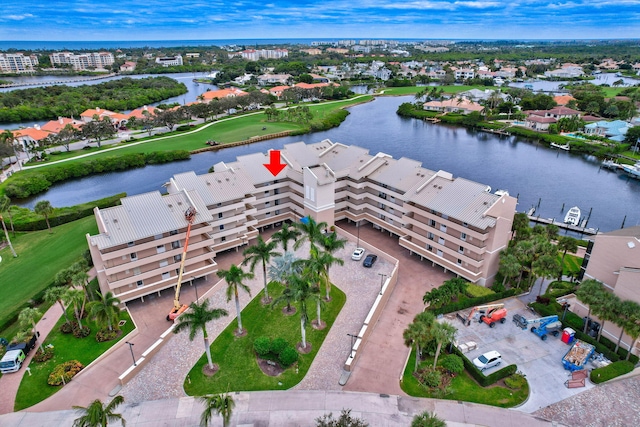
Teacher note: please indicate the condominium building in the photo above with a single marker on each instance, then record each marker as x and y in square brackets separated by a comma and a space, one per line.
[452, 222]
[17, 63]
[170, 61]
[82, 61]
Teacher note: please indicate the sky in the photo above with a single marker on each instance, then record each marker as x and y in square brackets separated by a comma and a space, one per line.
[54, 20]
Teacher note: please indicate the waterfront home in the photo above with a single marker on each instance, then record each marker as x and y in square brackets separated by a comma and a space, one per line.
[453, 105]
[614, 130]
[455, 223]
[232, 92]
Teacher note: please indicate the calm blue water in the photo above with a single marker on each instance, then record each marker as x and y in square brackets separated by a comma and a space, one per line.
[533, 173]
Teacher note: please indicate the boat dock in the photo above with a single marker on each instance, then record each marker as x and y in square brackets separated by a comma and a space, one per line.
[497, 131]
[432, 119]
[576, 228]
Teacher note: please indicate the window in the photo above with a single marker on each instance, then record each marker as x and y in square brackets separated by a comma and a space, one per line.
[277, 212]
[443, 228]
[464, 224]
[268, 214]
[134, 256]
[157, 237]
[267, 204]
[140, 283]
[441, 240]
[164, 263]
[391, 211]
[221, 226]
[173, 232]
[463, 236]
[130, 244]
[445, 216]
[160, 249]
[266, 193]
[219, 204]
[439, 253]
[277, 202]
[220, 215]
[175, 245]
[429, 248]
[381, 206]
[177, 258]
[461, 249]
[223, 239]
[276, 191]
[166, 275]
[392, 199]
[136, 271]
[432, 222]
[459, 261]
[430, 236]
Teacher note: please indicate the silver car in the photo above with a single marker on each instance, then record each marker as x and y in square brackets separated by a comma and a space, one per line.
[487, 360]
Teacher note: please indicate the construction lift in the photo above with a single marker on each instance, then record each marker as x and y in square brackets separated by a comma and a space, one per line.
[489, 314]
[548, 325]
[178, 309]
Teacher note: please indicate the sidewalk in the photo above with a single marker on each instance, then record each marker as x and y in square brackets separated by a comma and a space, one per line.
[9, 383]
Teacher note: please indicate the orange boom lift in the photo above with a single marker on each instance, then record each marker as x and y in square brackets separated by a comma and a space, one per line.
[178, 309]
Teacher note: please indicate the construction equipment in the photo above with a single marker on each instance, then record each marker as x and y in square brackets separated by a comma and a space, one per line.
[489, 314]
[548, 325]
[577, 356]
[178, 309]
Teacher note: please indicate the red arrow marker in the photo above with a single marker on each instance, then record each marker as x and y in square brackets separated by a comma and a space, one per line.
[274, 165]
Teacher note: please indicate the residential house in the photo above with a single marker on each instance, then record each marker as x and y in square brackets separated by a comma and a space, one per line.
[614, 130]
[55, 126]
[614, 260]
[128, 66]
[464, 73]
[453, 105]
[118, 119]
[566, 71]
[274, 79]
[451, 222]
[30, 137]
[222, 93]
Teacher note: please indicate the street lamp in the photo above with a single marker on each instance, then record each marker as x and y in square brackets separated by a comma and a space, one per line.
[358, 228]
[382, 277]
[353, 338]
[132, 356]
[193, 281]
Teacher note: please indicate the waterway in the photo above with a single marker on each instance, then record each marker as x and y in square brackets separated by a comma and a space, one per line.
[537, 175]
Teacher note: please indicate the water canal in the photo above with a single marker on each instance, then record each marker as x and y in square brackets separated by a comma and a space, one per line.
[536, 174]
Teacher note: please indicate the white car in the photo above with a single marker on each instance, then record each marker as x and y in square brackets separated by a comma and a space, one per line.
[487, 360]
[357, 254]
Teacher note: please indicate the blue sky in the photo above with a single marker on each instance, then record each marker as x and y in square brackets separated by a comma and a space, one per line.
[54, 20]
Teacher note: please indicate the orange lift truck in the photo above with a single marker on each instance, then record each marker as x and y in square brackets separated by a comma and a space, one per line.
[489, 314]
[178, 309]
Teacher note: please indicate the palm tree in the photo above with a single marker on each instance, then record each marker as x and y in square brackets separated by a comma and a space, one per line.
[196, 320]
[57, 294]
[5, 203]
[302, 291]
[443, 333]
[44, 208]
[80, 279]
[566, 244]
[7, 137]
[280, 270]
[331, 243]
[221, 404]
[418, 333]
[78, 298]
[105, 309]
[285, 235]
[27, 317]
[589, 293]
[98, 415]
[509, 267]
[311, 231]
[5, 206]
[261, 252]
[427, 419]
[234, 277]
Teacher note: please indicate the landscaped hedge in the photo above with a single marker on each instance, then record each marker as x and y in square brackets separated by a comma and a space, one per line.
[483, 380]
[25, 219]
[472, 302]
[27, 184]
[64, 372]
[331, 120]
[611, 371]
[477, 291]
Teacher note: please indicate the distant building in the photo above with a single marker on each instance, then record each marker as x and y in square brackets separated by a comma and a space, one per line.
[615, 130]
[17, 63]
[274, 79]
[170, 61]
[254, 55]
[128, 66]
[312, 51]
[84, 61]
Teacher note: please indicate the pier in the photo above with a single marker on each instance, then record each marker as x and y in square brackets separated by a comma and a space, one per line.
[562, 225]
[496, 131]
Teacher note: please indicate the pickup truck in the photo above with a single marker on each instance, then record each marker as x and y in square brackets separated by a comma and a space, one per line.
[577, 356]
[25, 346]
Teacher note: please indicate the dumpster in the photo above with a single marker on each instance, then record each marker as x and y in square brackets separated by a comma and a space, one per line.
[568, 335]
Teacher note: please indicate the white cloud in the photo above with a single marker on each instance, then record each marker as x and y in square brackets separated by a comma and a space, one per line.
[18, 17]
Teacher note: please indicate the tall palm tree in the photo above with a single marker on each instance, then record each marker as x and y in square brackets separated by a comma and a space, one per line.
[286, 234]
[105, 309]
[7, 137]
[5, 206]
[418, 333]
[6, 235]
[80, 279]
[99, 415]
[279, 272]
[589, 293]
[78, 298]
[234, 277]
[221, 404]
[443, 333]
[261, 252]
[44, 208]
[302, 291]
[57, 294]
[326, 260]
[27, 317]
[196, 320]
[509, 267]
[311, 231]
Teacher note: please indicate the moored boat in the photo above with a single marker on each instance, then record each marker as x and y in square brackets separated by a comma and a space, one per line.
[632, 170]
[573, 216]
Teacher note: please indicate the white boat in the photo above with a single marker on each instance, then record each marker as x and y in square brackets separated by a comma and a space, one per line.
[562, 147]
[632, 170]
[573, 216]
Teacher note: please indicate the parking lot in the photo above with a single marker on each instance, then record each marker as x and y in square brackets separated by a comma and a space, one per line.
[540, 361]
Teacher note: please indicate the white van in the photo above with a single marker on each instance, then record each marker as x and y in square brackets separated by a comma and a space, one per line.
[12, 361]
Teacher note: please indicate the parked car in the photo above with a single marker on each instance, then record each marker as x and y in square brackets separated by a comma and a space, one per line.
[357, 254]
[369, 260]
[487, 360]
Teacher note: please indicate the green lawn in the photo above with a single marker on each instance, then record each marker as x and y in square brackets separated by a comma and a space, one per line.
[40, 256]
[239, 370]
[34, 387]
[571, 265]
[464, 388]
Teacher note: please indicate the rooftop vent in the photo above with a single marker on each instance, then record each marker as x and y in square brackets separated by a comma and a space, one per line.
[170, 205]
[115, 220]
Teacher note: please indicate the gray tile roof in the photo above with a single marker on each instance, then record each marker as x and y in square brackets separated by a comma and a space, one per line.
[217, 187]
[625, 232]
[146, 215]
[402, 174]
[458, 198]
[253, 166]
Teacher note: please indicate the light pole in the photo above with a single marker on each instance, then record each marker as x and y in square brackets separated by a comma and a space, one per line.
[358, 233]
[193, 280]
[132, 356]
[353, 338]
[382, 277]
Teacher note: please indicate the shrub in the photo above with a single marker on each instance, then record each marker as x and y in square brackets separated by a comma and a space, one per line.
[516, 381]
[278, 344]
[43, 356]
[106, 335]
[83, 332]
[427, 419]
[64, 372]
[262, 346]
[498, 287]
[453, 364]
[613, 370]
[288, 356]
[430, 377]
[475, 291]
[66, 328]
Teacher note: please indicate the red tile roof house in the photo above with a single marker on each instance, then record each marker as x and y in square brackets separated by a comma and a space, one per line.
[55, 126]
[210, 95]
[118, 119]
[30, 137]
[540, 120]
